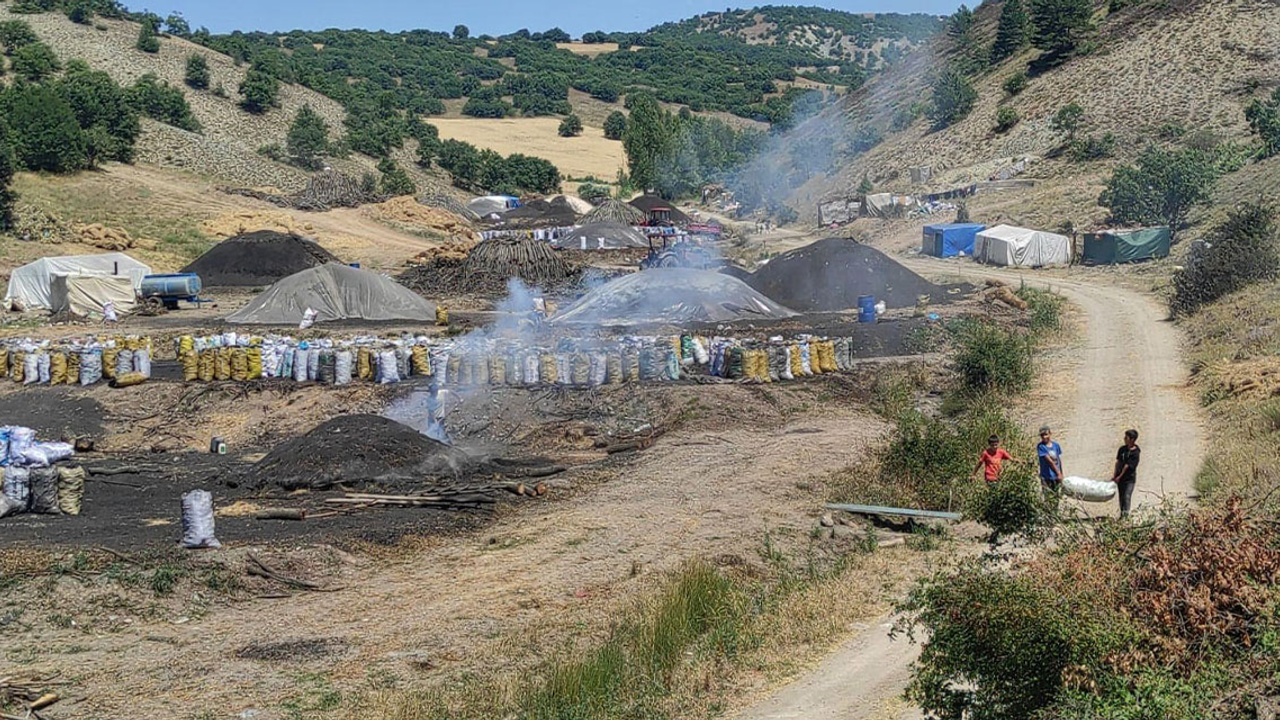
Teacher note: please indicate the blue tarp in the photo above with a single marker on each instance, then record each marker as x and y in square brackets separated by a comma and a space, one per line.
[951, 239]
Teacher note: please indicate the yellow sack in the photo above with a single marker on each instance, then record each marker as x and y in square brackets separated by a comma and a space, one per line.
[222, 364]
[613, 369]
[4, 361]
[206, 365]
[793, 358]
[364, 364]
[73, 368]
[442, 316]
[190, 365]
[70, 489]
[547, 368]
[16, 367]
[497, 370]
[128, 379]
[829, 356]
[186, 344]
[254, 355]
[762, 366]
[421, 360]
[581, 364]
[132, 343]
[239, 363]
[109, 356]
[633, 372]
[57, 368]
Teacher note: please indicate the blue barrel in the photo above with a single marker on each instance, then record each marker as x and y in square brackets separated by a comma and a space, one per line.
[354, 265]
[866, 308]
[171, 285]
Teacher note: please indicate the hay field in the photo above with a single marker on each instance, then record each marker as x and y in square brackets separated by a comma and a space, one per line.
[587, 154]
[588, 49]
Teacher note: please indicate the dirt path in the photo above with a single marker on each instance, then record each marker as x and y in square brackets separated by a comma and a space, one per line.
[1129, 373]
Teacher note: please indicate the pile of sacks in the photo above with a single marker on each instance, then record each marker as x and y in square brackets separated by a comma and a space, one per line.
[485, 361]
[36, 478]
[124, 361]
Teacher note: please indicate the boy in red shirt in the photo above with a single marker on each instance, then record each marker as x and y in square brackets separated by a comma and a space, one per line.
[992, 460]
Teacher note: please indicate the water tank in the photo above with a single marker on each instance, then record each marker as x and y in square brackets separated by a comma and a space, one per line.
[171, 285]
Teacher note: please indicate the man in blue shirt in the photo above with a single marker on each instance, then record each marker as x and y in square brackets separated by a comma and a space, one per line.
[1050, 454]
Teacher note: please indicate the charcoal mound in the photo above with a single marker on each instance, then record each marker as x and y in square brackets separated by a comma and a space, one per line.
[830, 275]
[257, 259]
[359, 449]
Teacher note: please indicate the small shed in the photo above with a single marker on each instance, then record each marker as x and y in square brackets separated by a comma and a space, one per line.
[950, 240]
[1110, 247]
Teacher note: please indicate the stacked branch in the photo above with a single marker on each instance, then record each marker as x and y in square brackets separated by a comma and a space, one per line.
[530, 260]
[325, 191]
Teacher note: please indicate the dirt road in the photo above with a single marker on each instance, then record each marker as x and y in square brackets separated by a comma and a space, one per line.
[1128, 373]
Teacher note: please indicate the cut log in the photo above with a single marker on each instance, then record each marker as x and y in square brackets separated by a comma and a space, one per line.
[281, 514]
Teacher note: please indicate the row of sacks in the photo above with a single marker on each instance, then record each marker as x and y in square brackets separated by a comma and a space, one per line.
[45, 490]
[76, 363]
[779, 360]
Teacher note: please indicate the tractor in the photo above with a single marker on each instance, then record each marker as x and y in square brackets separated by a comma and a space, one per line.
[682, 253]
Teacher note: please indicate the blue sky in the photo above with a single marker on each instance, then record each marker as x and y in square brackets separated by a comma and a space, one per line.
[494, 17]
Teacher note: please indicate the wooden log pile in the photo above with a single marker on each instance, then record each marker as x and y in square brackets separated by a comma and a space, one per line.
[325, 190]
[530, 260]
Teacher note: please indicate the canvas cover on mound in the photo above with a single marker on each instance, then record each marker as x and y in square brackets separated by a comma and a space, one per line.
[335, 292]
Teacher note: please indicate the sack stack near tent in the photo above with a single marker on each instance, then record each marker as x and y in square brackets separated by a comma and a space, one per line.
[950, 240]
[1109, 247]
[83, 361]
[33, 285]
[1021, 247]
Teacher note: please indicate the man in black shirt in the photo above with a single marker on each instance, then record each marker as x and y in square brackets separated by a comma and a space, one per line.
[1126, 475]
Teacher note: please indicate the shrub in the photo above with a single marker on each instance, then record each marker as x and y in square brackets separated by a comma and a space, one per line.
[1016, 83]
[35, 62]
[147, 40]
[990, 358]
[46, 134]
[1006, 118]
[273, 151]
[571, 126]
[7, 167]
[615, 125]
[1264, 119]
[220, 91]
[904, 117]
[1068, 120]
[197, 75]
[1162, 188]
[308, 138]
[395, 181]
[160, 101]
[428, 143]
[80, 13]
[951, 99]
[15, 35]
[476, 107]
[1012, 506]
[1243, 250]
[1092, 148]
[1045, 309]
[259, 91]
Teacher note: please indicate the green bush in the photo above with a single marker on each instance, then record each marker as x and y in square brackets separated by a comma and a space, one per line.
[395, 181]
[1264, 119]
[1006, 118]
[1092, 147]
[46, 134]
[476, 107]
[1162, 189]
[951, 99]
[7, 167]
[147, 40]
[1068, 120]
[308, 138]
[79, 13]
[1044, 308]
[15, 35]
[197, 75]
[259, 90]
[428, 137]
[1013, 505]
[989, 358]
[273, 151]
[35, 62]
[1243, 250]
[160, 101]
[615, 125]
[103, 110]
[571, 126]
[1016, 83]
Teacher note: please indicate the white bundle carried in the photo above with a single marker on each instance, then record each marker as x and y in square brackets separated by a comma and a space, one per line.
[142, 362]
[197, 520]
[388, 372]
[342, 367]
[1088, 490]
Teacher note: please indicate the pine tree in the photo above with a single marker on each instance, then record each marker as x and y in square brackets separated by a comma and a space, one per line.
[1059, 24]
[1013, 31]
[308, 138]
[197, 72]
[647, 140]
[7, 196]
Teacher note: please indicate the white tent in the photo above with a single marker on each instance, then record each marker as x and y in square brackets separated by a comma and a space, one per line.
[489, 204]
[1020, 247]
[85, 295]
[32, 284]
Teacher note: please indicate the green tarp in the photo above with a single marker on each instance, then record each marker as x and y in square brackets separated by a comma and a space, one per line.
[1125, 246]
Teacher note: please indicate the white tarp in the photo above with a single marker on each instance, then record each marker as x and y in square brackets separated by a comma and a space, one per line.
[1021, 247]
[32, 283]
[489, 204]
[334, 292]
[85, 295]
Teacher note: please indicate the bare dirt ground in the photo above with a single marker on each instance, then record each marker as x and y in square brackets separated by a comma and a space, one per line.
[1128, 372]
[588, 154]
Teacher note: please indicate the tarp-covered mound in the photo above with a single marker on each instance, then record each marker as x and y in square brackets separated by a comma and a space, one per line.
[671, 296]
[335, 292]
[256, 259]
[602, 236]
[830, 275]
[359, 449]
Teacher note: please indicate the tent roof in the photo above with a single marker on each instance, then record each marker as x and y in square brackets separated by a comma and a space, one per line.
[943, 227]
[335, 292]
[1014, 233]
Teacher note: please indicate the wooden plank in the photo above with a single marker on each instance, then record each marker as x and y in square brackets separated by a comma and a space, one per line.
[908, 512]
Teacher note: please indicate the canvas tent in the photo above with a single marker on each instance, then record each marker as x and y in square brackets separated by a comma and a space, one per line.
[602, 236]
[1125, 246]
[950, 240]
[1021, 247]
[85, 295]
[887, 205]
[490, 204]
[32, 284]
[335, 292]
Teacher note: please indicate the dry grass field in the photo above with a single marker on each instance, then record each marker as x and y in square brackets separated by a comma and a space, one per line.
[587, 154]
[588, 49]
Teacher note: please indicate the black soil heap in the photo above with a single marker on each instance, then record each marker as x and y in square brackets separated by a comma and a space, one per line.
[830, 274]
[257, 259]
[358, 449]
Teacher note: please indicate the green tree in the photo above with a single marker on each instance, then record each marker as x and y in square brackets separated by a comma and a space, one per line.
[16, 34]
[197, 76]
[7, 196]
[176, 24]
[35, 62]
[428, 137]
[1162, 188]
[1012, 34]
[1059, 25]
[259, 91]
[103, 110]
[147, 40]
[615, 125]
[647, 140]
[1016, 83]
[395, 181]
[1006, 118]
[161, 101]
[951, 99]
[308, 138]
[571, 126]
[79, 13]
[46, 134]
[461, 32]
[865, 187]
[1264, 118]
[960, 22]
[1068, 120]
